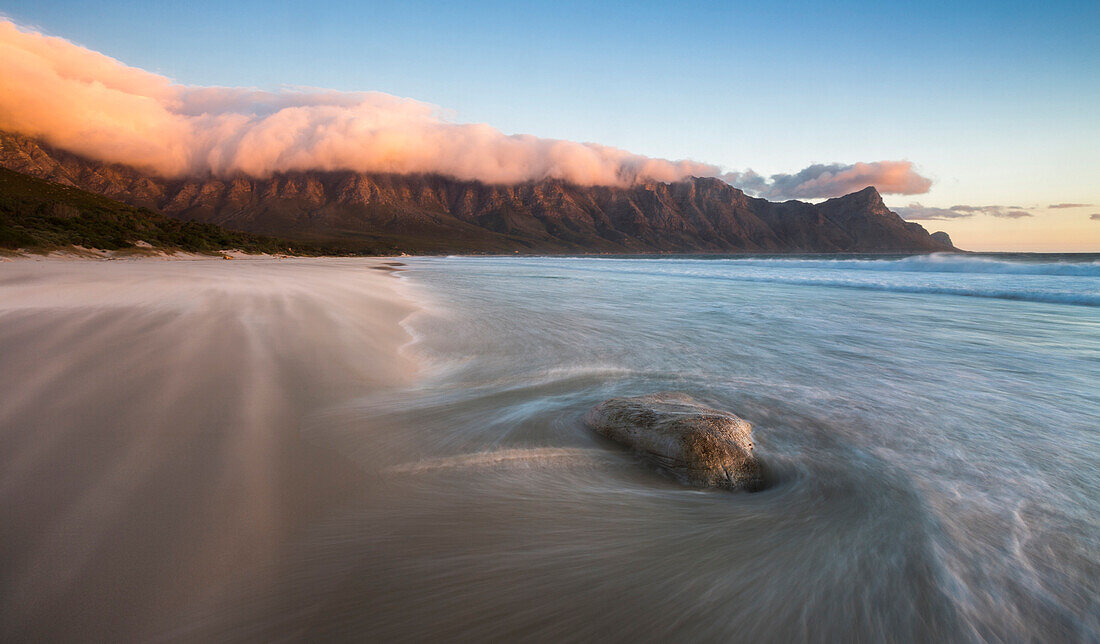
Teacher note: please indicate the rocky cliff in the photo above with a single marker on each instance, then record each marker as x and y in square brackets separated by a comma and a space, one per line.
[418, 213]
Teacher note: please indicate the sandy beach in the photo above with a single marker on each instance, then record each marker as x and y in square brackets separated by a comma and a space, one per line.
[150, 452]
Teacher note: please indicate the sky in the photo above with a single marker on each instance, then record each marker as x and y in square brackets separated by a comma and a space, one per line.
[988, 113]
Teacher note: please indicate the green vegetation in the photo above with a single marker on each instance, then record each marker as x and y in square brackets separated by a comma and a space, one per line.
[42, 215]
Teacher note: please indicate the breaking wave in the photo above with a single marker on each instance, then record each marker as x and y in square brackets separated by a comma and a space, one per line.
[1090, 297]
[941, 263]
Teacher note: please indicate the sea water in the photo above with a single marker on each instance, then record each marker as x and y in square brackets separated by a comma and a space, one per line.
[932, 425]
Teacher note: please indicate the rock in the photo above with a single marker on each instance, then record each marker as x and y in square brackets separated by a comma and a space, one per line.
[699, 446]
[942, 238]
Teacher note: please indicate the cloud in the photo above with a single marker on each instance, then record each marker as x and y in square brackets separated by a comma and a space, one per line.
[1069, 205]
[1004, 212]
[91, 104]
[1095, 216]
[917, 211]
[820, 180]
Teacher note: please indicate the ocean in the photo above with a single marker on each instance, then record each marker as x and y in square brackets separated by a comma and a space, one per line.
[233, 451]
[931, 425]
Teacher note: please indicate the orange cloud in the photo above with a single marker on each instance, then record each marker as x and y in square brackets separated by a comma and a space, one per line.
[830, 180]
[94, 105]
[91, 104]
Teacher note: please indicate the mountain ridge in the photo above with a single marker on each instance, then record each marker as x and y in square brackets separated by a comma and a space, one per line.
[433, 213]
[38, 215]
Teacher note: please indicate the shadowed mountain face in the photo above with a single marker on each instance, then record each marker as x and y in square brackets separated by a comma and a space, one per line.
[419, 213]
[40, 214]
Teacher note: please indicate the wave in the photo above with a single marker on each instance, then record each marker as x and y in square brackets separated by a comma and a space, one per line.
[938, 263]
[1085, 298]
[930, 263]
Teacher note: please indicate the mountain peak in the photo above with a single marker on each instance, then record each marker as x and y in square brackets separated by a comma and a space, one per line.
[869, 194]
[867, 200]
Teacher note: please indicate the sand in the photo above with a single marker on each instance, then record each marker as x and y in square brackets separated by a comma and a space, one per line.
[150, 413]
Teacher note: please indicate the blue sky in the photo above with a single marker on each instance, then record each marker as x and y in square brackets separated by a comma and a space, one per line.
[999, 103]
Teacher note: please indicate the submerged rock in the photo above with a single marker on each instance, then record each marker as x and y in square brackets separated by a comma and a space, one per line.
[698, 445]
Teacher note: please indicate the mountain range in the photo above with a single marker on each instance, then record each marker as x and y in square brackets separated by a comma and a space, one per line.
[387, 213]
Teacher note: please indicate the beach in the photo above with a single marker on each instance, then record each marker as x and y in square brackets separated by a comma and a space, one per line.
[320, 449]
[151, 455]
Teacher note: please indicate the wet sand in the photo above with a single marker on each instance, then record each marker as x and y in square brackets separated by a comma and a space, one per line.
[150, 454]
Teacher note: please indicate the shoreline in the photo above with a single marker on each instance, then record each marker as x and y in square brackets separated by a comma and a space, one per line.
[148, 253]
[209, 449]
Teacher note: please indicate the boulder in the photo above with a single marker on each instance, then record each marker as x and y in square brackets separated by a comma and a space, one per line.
[698, 445]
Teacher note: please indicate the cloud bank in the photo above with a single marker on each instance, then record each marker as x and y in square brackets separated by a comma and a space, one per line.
[916, 211]
[88, 103]
[1069, 205]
